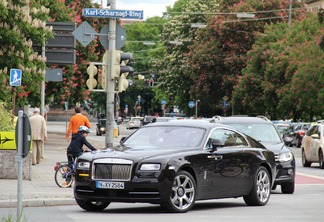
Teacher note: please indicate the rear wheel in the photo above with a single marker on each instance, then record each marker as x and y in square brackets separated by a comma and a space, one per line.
[64, 176]
[183, 193]
[304, 160]
[260, 191]
[320, 159]
[92, 205]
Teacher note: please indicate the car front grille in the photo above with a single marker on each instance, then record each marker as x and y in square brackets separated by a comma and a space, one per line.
[112, 169]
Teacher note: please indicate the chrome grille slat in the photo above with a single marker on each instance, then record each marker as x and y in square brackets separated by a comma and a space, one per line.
[112, 169]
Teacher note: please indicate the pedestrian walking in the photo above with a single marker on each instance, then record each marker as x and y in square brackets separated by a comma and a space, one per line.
[39, 135]
[76, 121]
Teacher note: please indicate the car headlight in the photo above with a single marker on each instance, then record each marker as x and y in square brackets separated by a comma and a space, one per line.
[284, 157]
[150, 166]
[83, 166]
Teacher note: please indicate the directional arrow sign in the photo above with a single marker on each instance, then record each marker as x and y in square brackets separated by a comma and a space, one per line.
[108, 13]
[85, 33]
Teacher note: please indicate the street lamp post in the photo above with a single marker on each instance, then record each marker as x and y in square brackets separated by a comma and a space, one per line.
[197, 101]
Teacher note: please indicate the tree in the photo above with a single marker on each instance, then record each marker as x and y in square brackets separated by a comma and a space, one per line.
[73, 88]
[175, 80]
[21, 23]
[219, 52]
[284, 72]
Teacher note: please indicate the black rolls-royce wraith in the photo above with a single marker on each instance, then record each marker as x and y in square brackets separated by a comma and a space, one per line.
[174, 164]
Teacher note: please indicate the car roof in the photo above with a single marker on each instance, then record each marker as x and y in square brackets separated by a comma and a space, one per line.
[243, 119]
[189, 123]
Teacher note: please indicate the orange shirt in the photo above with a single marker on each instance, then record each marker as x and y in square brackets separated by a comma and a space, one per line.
[75, 122]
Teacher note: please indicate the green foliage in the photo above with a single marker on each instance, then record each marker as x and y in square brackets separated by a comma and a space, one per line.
[7, 119]
[176, 81]
[284, 72]
[17, 31]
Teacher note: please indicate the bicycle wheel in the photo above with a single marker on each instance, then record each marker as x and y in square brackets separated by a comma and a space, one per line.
[64, 176]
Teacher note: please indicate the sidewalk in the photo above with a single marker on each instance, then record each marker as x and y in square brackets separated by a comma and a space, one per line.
[42, 190]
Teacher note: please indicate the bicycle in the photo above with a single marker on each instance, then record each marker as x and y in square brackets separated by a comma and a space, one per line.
[64, 174]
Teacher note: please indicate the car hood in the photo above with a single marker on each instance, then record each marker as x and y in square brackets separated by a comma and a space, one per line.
[135, 154]
[276, 148]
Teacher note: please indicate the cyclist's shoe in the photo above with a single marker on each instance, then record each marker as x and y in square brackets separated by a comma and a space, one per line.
[66, 183]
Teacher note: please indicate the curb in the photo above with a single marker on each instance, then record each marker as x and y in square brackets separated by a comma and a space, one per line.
[38, 202]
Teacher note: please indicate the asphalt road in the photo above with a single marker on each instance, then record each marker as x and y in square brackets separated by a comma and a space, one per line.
[303, 206]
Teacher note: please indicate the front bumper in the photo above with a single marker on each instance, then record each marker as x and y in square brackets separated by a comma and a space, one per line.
[137, 190]
[286, 172]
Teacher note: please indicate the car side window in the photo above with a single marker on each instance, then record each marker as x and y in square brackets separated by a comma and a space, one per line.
[311, 131]
[228, 138]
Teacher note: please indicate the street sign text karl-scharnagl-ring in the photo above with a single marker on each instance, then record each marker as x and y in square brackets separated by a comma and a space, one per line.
[108, 13]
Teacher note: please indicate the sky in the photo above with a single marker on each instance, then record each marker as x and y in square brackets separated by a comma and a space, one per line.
[150, 7]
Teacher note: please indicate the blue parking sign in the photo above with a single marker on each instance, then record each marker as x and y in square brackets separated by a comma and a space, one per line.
[15, 77]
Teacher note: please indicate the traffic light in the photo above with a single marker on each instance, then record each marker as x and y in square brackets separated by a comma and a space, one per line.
[92, 70]
[151, 82]
[120, 62]
[104, 70]
[123, 83]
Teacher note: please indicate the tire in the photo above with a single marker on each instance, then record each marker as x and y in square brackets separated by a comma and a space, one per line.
[298, 143]
[183, 194]
[63, 176]
[320, 159]
[260, 191]
[92, 205]
[274, 187]
[304, 160]
[288, 188]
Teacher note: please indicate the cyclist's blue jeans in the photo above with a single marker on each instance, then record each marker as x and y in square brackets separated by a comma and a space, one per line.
[71, 157]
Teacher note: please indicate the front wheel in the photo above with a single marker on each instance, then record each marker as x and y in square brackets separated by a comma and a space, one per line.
[260, 191]
[64, 176]
[92, 205]
[321, 159]
[183, 193]
[304, 160]
[288, 188]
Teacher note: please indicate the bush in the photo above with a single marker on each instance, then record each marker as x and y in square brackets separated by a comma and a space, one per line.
[7, 119]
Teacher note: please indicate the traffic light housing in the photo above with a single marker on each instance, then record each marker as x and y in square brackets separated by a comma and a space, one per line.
[104, 70]
[123, 83]
[92, 70]
[120, 63]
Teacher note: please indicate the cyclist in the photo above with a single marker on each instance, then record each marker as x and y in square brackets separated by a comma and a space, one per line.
[75, 149]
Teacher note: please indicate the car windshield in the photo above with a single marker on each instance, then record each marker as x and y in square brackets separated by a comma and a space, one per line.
[102, 122]
[264, 133]
[166, 137]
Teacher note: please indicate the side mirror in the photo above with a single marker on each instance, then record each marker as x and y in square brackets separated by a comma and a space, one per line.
[216, 143]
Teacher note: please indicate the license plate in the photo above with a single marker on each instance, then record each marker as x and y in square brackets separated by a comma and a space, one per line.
[110, 185]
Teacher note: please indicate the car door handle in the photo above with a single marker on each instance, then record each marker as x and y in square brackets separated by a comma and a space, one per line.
[216, 157]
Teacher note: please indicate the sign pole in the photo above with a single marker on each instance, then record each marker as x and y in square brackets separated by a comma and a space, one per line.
[42, 108]
[20, 166]
[110, 83]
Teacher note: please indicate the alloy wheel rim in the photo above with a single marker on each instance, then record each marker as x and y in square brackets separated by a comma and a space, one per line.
[183, 192]
[263, 186]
